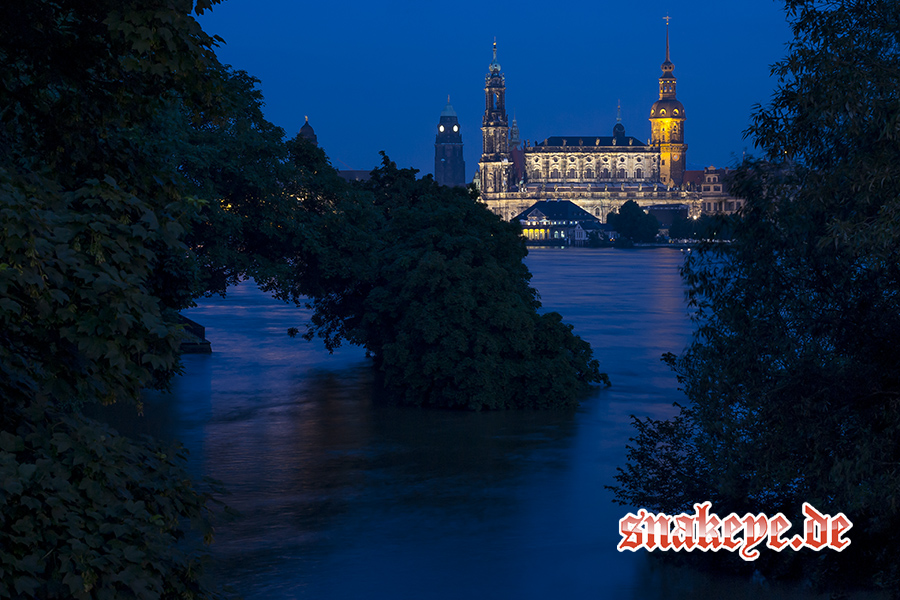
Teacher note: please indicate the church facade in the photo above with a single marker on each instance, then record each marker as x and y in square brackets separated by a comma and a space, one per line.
[598, 173]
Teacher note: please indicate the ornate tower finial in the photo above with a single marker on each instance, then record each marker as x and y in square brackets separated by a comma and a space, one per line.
[619, 112]
[667, 66]
[494, 67]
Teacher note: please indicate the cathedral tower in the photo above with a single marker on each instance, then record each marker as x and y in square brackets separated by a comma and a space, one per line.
[667, 126]
[495, 166]
[449, 166]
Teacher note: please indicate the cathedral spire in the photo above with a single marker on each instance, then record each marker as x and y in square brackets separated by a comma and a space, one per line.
[495, 166]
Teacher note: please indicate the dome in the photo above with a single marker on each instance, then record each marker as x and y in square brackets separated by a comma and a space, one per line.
[667, 108]
[307, 133]
[618, 130]
[667, 68]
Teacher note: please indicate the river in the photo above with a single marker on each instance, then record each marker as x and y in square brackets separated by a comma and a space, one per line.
[342, 497]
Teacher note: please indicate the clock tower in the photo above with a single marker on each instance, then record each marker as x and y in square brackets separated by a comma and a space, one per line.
[449, 166]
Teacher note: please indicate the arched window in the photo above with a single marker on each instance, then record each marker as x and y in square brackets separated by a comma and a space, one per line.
[554, 174]
[588, 173]
[596, 212]
[604, 174]
[621, 174]
[571, 174]
[638, 173]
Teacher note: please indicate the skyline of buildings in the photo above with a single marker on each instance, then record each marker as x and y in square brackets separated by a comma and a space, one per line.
[597, 173]
[375, 77]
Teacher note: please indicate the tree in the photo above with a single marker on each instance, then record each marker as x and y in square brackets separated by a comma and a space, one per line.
[239, 162]
[707, 227]
[631, 222]
[87, 513]
[95, 103]
[793, 378]
[432, 284]
[92, 103]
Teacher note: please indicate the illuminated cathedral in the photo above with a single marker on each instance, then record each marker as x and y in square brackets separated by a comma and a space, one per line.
[598, 173]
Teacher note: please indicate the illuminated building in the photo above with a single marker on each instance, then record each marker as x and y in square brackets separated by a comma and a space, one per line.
[667, 126]
[555, 222]
[598, 173]
[711, 185]
[496, 171]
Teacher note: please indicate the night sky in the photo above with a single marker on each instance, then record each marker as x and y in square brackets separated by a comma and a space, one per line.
[375, 76]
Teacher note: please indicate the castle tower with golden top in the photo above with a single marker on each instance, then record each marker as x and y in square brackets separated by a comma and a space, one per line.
[667, 126]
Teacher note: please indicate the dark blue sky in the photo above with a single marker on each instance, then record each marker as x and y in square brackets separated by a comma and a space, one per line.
[375, 75]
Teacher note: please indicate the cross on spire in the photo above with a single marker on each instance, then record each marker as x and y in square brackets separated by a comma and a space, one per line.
[667, 18]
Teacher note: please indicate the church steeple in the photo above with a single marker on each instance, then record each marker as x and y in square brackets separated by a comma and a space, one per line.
[494, 101]
[514, 134]
[495, 166]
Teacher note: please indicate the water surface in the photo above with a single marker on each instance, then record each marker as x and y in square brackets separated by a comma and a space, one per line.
[343, 497]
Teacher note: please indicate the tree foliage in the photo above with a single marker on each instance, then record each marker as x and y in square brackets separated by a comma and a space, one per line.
[239, 162]
[631, 222]
[433, 285]
[87, 513]
[794, 376]
[97, 100]
[91, 104]
[706, 227]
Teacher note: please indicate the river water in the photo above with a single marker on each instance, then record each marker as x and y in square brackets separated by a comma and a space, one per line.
[342, 497]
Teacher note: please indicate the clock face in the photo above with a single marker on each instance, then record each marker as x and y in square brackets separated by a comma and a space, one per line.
[455, 128]
[441, 128]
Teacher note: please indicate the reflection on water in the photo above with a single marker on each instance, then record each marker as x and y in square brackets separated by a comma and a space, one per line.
[343, 497]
